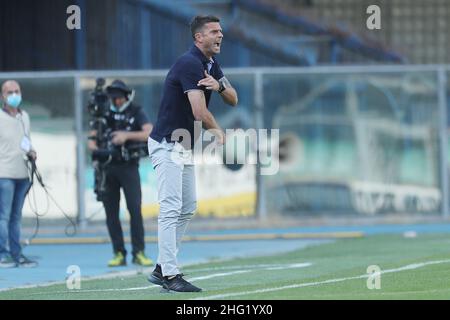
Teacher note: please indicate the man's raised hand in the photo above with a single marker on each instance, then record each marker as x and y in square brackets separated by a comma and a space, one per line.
[209, 82]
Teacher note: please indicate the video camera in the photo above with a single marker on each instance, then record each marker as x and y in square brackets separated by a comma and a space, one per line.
[99, 103]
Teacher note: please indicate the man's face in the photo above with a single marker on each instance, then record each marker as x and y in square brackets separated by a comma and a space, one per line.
[119, 101]
[210, 38]
[9, 88]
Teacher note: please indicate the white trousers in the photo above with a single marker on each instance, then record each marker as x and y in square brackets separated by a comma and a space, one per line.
[176, 197]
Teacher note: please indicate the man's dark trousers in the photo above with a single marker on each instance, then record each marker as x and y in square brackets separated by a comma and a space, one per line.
[125, 176]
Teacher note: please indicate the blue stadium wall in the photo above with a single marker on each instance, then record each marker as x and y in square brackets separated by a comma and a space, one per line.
[115, 34]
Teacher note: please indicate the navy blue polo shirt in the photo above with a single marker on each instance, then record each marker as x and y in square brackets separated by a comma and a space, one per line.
[175, 111]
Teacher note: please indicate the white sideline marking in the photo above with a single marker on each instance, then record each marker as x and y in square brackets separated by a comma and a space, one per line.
[95, 290]
[219, 275]
[127, 273]
[151, 286]
[215, 275]
[252, 266]
[273, 267]
[309, 284]
[110, 275]
[291, 266]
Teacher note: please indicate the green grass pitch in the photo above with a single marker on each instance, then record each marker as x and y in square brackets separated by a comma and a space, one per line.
[411, 268]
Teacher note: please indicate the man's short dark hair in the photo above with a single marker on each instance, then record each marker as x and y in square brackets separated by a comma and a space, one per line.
[199, 21]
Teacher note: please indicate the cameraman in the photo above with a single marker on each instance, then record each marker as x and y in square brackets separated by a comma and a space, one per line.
[127, 123]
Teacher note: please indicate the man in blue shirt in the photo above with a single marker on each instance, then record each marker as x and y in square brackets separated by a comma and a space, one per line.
[186, 95]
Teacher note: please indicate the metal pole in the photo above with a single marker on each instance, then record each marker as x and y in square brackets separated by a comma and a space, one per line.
[261, 211]
[442, 103]
[78, 103]
[80, 39]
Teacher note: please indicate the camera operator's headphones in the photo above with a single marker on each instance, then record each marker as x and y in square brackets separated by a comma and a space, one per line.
[118, 88]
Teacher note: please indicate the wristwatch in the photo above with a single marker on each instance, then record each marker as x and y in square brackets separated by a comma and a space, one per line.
[221, 87]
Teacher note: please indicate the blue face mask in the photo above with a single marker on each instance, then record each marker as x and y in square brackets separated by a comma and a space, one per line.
[113, 107]
[14, 100]
[121, 108]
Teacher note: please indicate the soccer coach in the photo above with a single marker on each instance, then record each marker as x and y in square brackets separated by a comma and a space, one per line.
[186, 94]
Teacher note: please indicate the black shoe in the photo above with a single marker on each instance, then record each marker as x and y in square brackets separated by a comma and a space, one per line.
[156, 276]
[178, 284]
[24, 262]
